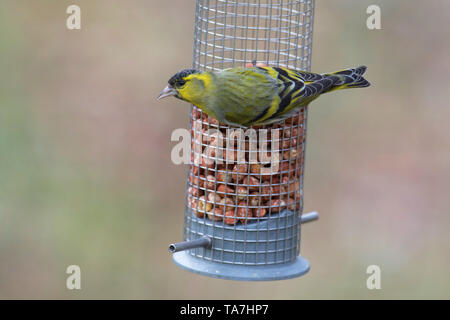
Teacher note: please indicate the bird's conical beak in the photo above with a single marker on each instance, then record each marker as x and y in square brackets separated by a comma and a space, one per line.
[167, 92]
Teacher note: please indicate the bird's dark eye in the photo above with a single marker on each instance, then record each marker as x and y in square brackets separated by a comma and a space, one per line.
[181, 83]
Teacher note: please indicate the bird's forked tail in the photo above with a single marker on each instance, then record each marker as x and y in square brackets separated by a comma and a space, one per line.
[350, 78]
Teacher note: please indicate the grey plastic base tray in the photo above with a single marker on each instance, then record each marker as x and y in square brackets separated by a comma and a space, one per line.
[240, 272]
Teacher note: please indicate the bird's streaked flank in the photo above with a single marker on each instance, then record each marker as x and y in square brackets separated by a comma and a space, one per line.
[258, 95]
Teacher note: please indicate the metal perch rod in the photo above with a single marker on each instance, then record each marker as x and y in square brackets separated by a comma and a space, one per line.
[308, 217]
[190, 244]
[207, 242]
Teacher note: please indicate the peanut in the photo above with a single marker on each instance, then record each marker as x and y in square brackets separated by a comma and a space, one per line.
[288, 143]
[196, 114]
[276, 205]
[198, 181]
[207, 162]
[254, 199]
[210, 182]
[272, 192]
[293, 189]
[225, 189]
[195, 191]
[225, 177]
[193, 204]
[214, 199]
[203, 206]
[242, 192]
[195, 170]
[291, 204]
[259, 212]
[230, 217]
[215, 214]
[226, 204]
[243, 212]
[292, 153]
[255, 168]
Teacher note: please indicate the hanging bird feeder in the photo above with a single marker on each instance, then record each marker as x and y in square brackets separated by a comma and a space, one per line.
[244, 193]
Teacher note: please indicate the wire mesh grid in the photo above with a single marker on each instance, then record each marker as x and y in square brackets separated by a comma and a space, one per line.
[245, 186]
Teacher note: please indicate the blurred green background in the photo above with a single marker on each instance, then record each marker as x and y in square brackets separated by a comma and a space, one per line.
[86, 176]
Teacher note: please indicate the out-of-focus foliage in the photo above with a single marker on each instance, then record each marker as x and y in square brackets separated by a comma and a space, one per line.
[86, 176]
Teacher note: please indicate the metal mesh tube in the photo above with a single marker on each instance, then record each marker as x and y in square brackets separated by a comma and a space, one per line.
[248, 204]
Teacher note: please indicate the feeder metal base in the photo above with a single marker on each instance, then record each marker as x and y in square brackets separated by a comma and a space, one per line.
[241, 272]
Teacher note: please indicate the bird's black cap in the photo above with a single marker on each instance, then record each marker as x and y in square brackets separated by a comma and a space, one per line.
[179, 76]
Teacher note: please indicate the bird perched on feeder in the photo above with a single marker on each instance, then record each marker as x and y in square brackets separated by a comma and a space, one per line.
[261, 95]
